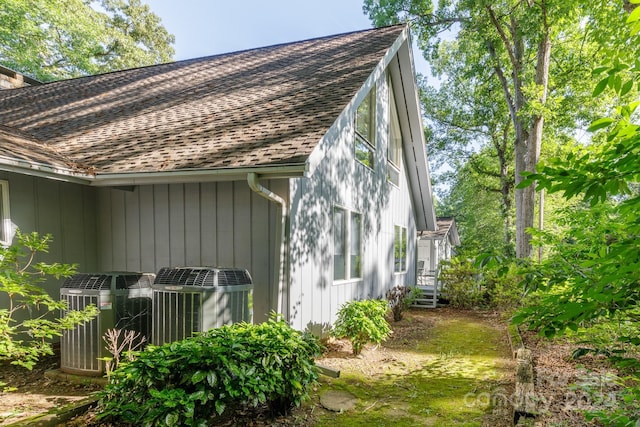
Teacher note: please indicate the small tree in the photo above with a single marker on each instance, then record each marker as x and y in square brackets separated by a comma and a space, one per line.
[23, 342]
[400, 298]
[362, 322]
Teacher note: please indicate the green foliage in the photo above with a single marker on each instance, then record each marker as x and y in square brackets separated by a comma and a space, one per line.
[460, 281]
[362, 322]
[185, 383]
[486, 118]
[55, 39]
[23, 342]
[590, 279]
[503, 287]
[400, 298]
[627, 411]
[488, 281]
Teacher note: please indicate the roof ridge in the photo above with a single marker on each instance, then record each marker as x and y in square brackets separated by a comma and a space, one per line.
[222, 55]
[262, 107]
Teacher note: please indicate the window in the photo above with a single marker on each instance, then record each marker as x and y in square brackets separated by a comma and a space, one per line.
[394, 150]
[400, 249]
[5, 224]
[365, 143]
[347, 244]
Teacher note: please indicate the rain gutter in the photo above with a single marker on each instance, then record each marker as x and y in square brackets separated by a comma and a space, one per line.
[280, 263]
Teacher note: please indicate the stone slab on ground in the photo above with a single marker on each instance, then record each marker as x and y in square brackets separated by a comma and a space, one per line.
[338, 401]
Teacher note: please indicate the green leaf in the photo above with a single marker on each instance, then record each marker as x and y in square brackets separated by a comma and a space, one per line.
[626, 87]
[220, 406]
[171, 419]
[599, 70]
[600, 124]
[634, 16]
[602, 84]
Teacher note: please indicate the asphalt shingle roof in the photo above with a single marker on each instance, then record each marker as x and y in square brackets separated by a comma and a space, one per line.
[21, 146]
[260, 107]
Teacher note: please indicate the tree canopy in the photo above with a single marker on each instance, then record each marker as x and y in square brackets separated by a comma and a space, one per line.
[58, 39]
[512, 70]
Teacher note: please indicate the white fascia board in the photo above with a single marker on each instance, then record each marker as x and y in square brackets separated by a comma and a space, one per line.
[198, 175]
[404, 81]
[41, 170]
[141, 178]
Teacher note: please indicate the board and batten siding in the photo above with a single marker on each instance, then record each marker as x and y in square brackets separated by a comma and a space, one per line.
[221, 224]
[66, 211]
[336, 178]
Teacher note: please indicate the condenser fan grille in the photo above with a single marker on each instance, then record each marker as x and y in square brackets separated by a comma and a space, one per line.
[88, 281]
[202, 277]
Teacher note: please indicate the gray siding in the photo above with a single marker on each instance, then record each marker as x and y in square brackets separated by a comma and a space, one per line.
[337, 179]
[208, 224]
[66, 211]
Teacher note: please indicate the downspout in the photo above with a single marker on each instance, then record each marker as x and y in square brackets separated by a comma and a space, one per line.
[281, 261]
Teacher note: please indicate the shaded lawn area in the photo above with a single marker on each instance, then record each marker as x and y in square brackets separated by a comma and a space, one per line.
[441, 367]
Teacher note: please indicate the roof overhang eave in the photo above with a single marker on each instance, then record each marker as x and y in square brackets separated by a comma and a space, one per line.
[31, 168]
[60, 173]
[284, 171]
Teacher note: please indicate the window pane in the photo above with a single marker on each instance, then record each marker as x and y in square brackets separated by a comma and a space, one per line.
[365, 118]
[403, 248]
[355, 269]
[364, 153]
[400, 249]
[339, 244]
[396, 249]
[365, 123]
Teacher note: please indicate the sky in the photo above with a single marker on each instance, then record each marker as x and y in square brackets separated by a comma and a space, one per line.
[209, 27]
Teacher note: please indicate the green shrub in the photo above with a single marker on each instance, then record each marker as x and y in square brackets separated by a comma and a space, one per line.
[24, 341]
[400, 298]
[186, 383]
[504, 290]
[362, 322]
[460, 285]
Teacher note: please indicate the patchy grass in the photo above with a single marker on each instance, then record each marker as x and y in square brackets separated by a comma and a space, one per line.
[440, 368]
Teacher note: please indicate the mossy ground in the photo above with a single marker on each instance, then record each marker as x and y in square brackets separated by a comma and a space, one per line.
[440, 368]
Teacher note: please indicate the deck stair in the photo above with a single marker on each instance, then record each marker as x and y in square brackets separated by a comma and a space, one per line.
[428, 284]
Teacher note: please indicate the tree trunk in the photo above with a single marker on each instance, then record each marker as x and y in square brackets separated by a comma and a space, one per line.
[505, 189]
[528, 154]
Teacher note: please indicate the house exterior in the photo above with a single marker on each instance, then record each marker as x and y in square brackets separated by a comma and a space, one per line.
[304, 163]
[437, 246]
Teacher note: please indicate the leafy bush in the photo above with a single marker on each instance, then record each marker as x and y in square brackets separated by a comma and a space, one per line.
[185, 383]
[362, 322]
[20, 276]
[460, 284]
[400, 298]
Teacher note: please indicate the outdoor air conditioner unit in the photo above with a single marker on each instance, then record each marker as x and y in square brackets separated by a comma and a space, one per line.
[187, 300]
[124, 302]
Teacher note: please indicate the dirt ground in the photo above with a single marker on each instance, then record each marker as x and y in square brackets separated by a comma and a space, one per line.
[554, 371]
[566, 387]
[33, 392]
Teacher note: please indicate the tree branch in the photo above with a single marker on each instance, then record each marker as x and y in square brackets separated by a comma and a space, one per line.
[507, 43]
[503, 82]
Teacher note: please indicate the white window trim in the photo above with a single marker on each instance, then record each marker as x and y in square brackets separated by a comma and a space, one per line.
[5, 215]
[394, 119]
[406, 244]
[372, 98]
[347, 244]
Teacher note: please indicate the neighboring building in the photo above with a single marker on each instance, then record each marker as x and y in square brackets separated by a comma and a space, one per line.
[10, 79]
[434, 246]
[437, 246]
[304, 163]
